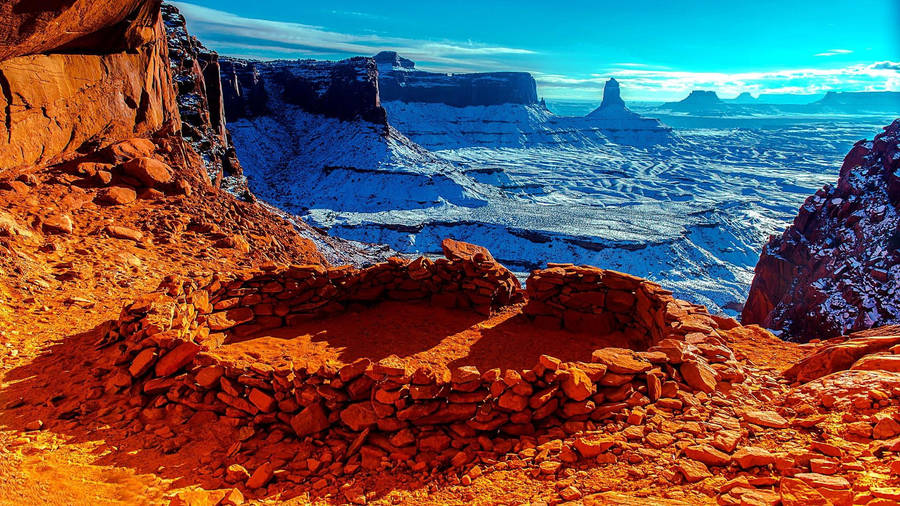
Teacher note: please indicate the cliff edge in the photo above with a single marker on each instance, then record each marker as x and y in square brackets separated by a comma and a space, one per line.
[836, 269]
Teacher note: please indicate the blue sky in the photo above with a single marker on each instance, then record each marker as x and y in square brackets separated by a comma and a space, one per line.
[659, 50]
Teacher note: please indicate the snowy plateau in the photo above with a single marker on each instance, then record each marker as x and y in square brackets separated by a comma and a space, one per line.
[689, 207]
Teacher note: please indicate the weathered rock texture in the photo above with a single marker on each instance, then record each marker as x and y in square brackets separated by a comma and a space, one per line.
[196, 77]
[101, 76]
[345, 90]
[597, 300]
[34, 26]
[837, 268]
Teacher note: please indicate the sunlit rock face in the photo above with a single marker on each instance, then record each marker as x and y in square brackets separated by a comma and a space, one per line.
[80, 76]
[33, 26]
[837, 268]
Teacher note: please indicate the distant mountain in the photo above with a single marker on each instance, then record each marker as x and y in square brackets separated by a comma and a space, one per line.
[699, 101]
[399, 80]
[619, 122]
[863, 101]
[786, 99]
[494, 109]
[743, 98]
[707, 103]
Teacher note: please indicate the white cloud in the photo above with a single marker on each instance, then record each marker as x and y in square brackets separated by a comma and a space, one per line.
[232, 33]
[671, 84]
[833, 52]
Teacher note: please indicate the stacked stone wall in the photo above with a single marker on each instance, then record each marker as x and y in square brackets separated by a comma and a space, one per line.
[388, 409]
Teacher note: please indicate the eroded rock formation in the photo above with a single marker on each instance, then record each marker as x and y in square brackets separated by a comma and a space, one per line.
[398, 80]
[164, 415]
[345, 90]
[196, 77]
[79, 26]
[837, 268]
[79, 76]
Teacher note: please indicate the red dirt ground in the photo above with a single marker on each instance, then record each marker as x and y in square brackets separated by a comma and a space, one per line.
[424, 335]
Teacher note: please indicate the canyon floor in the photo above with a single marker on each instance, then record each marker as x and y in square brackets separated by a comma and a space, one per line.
[690, 214]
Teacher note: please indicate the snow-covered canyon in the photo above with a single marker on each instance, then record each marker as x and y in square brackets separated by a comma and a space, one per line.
[689, 207]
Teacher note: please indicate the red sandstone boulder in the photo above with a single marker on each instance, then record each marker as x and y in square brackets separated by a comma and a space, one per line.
[117, 196]
[261, 476]
[265, 402]
[57, 224]
[142, 362]
[592, 445]
[309, 421]
[796, 492]
[708, 455]
[576, 384]
[148, 171]
[839, 390]
[128, 149]
[177, 358]
[224, 320]
[841, 356]
[699, 375]
[359, 416]
[621, 361]
[693, 471]
[458, 250]
[124, 233]
[820, 481]
[751, 456]
[890, 363]
[765, 419]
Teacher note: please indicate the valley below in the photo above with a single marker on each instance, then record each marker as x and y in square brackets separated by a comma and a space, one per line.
[691, 213]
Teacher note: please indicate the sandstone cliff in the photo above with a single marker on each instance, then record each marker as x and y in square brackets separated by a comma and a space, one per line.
[837, 268]
[413, 380]
[79, 76]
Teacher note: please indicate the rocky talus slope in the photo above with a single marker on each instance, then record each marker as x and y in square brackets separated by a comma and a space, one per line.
[837, 268]
[163, 342]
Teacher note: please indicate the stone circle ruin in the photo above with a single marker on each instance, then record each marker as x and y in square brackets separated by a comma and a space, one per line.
[667, 352]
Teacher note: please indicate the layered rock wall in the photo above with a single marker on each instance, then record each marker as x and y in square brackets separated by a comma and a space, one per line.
[80, 77]
[31, 27]
[458, 90]
[837, 268]
[588, 299]
[345, 90]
